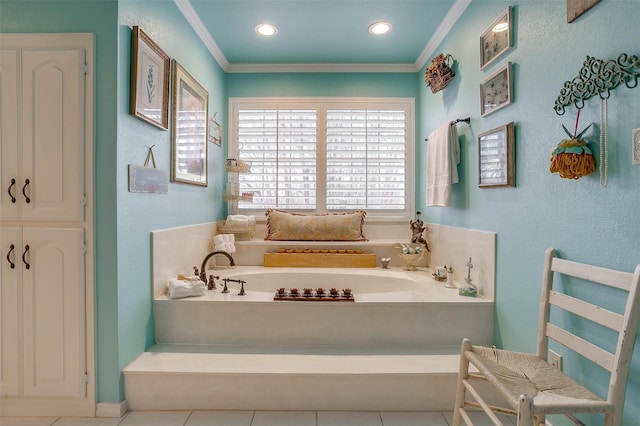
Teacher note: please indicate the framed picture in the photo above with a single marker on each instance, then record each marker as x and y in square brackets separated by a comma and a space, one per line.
[189, 129]
[150, 75]
[496, 157]
[215, 131]
[575, 8]
[495, 91]
[497, 39]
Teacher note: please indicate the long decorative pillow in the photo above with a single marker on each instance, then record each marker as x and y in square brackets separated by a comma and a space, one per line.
[285, 226]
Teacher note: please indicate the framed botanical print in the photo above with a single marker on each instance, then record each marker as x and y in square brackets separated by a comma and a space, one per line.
[495, 91]
[496, 157]
[497, 39]
[150, 76]
[189, 128]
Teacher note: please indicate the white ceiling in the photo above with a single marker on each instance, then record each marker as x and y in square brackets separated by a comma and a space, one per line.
[322, 35]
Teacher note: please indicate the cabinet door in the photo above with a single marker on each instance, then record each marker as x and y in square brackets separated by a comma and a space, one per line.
[9, 126]
[52, 140]
[10, 275]
[53, 312]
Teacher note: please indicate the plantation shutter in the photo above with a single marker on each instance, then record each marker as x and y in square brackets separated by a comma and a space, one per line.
[280, 145]
[366, 159]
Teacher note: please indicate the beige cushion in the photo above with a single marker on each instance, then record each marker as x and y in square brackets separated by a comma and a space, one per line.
[284, 226]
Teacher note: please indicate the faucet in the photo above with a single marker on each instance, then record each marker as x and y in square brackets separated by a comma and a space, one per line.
[203, 274]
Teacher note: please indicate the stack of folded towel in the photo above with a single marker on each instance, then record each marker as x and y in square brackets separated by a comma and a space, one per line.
[185, 288]
[225, 242]
[240, 220]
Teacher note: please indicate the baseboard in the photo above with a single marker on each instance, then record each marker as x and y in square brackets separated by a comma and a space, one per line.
[112, 409]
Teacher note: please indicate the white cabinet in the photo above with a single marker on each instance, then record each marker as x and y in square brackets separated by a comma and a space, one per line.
[46, 294]
[42, 307]
[42, 134]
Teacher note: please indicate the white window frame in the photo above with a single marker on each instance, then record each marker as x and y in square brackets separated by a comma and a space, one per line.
[321, 105]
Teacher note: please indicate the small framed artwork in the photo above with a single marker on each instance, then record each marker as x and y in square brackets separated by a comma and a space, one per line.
[496, 157]
[189, 128]
[150, 76]
[495, 91]
[497, 39]
[215, 131]
[575, 8]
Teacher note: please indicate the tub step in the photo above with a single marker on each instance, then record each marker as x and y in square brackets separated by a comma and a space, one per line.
[171, 377]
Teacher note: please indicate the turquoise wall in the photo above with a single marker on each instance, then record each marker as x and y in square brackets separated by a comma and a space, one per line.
[139, 214]
[582, 220]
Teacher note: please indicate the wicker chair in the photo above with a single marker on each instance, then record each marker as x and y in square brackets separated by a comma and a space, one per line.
[531, 387]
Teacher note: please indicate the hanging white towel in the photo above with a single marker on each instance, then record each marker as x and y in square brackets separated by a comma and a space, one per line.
[443, 156]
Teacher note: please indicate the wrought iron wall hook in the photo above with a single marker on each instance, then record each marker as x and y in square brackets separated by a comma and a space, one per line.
[598, 77]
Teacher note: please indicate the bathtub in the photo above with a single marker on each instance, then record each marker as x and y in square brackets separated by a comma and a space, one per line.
[393, 308]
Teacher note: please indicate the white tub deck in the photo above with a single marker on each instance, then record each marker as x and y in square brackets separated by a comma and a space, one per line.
[395, 348]
[392, 350]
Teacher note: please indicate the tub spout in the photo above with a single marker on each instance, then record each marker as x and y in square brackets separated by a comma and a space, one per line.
[203, 274]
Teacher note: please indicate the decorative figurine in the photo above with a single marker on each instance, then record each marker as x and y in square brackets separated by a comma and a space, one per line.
[417, 228]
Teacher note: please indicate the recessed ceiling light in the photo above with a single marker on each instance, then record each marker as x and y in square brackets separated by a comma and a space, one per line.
[380, 28]
[266, 30]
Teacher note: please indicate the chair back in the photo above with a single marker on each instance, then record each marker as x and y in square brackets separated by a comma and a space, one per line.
[566, 299]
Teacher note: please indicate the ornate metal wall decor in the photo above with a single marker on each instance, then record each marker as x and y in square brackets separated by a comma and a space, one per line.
[598, 77]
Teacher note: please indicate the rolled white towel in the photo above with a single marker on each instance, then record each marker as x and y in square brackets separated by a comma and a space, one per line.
[237, 220]
[218, 240]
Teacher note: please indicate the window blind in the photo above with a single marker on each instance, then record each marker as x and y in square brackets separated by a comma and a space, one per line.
[280, 145]
[365, 159]
[325, 154]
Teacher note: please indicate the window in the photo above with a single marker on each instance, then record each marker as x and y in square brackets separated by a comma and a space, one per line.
[325, 154]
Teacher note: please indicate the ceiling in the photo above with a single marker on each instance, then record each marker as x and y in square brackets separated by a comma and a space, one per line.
[321, 34]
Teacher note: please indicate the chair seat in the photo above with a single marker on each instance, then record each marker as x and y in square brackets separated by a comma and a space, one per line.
[516, 373]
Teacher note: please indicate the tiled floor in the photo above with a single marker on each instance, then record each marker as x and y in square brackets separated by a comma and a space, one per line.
[254, 418]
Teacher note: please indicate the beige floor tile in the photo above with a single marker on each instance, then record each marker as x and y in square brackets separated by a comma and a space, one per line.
[220, 418]
[86, 421]
[284, 418]
[481, 419]
[27, 421]
[404, 418]
[155, 418]
[349, 418]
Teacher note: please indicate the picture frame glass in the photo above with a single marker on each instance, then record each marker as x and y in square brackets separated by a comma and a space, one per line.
[496, 40]
[495, 91]
[190, 131]
[496, 157]
[150, 74]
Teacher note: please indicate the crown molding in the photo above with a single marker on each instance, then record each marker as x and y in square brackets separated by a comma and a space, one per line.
[196, 23]
[441, 32]
[321, 68]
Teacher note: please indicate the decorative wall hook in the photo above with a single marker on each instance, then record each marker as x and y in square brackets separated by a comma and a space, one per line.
[598, 77]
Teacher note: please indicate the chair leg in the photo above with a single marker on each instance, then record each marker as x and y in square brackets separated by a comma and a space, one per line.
[525, 411]
[463, 374]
